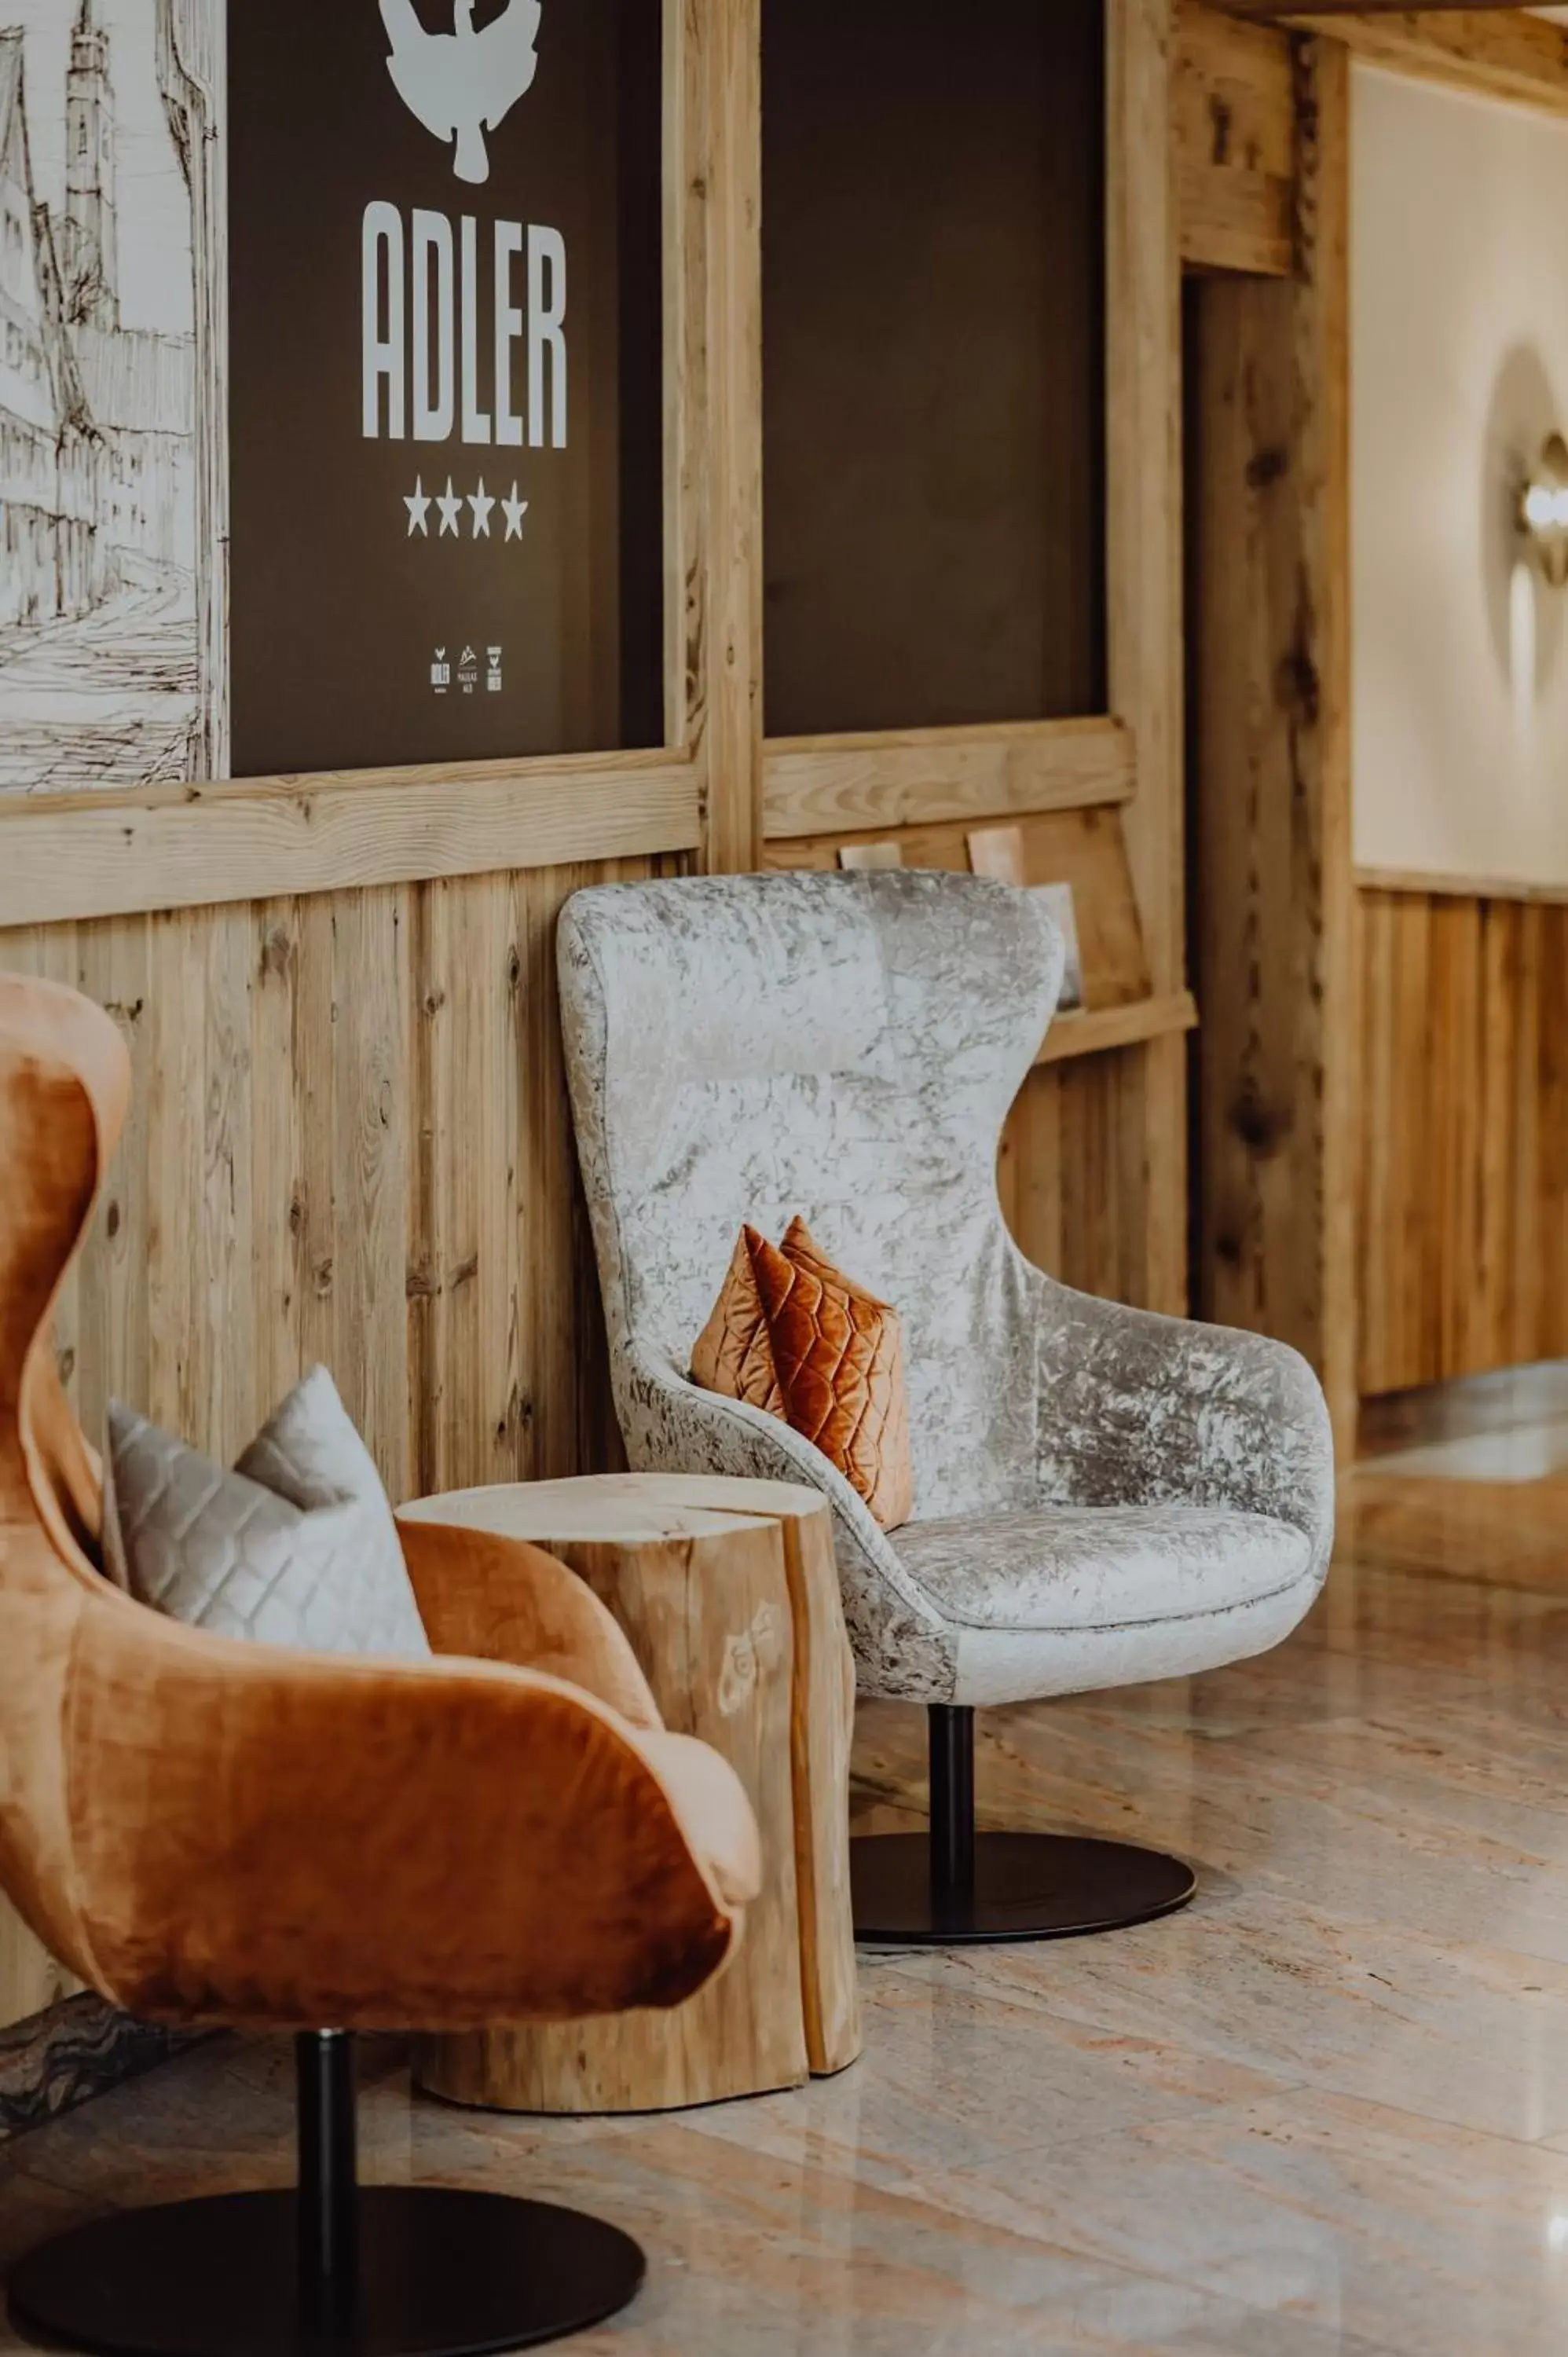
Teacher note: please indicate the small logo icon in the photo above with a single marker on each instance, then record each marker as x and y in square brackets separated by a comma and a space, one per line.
[462, 83]
[493, 679]
[468, 670]
[441, 673]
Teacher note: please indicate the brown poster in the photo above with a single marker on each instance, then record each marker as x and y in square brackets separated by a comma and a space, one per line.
[330, 385]
[437, 376]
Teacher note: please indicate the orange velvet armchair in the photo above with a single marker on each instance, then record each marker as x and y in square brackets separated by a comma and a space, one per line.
[210, 1832]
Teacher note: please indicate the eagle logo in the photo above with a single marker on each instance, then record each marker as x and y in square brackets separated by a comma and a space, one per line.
[462, 83]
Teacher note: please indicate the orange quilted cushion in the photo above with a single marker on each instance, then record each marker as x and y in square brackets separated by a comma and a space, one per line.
[791, 1334]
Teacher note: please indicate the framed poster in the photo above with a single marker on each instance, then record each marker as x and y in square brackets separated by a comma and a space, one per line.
[330, 385]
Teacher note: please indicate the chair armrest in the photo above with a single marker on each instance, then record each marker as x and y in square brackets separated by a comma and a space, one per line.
[296, 1840]
[1141, 1410]
[493, 1598]
[672, 1425]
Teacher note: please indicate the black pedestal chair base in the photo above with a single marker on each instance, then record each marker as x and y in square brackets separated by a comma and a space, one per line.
[440, 2275]
[1025, 1887]
[329, 2270]
[956, 1888]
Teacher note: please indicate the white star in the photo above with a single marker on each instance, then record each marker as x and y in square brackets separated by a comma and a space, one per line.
[514, 510]
[481, 506]
[450, 508]
[418, 509]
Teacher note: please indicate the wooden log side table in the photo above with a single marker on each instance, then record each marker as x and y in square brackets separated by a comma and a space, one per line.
[729, 1594]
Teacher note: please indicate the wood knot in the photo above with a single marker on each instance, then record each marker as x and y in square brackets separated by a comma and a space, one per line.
[747, 1658]
[1262, 1127]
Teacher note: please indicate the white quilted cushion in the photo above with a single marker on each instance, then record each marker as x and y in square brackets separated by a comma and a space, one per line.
[295, 1547]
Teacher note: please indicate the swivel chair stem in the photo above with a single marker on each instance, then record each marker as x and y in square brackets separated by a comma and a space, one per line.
[952, 1806]
[328, 2190]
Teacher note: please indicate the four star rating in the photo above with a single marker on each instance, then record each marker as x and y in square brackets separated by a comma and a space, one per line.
[449, 506]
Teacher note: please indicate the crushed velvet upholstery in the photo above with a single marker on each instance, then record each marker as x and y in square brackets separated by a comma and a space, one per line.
[847, 1048]
[206, 1830]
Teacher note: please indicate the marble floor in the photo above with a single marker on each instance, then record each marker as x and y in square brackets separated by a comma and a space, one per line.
[1323, 2111]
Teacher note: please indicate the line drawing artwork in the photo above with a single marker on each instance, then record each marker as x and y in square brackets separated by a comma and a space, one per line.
[113, 432]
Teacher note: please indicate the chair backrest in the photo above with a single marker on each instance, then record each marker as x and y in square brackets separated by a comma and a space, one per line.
[845, 1047]
[214, 1830]
[64, 1085]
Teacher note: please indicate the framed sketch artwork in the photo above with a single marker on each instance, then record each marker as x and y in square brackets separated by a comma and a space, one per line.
[330, 409]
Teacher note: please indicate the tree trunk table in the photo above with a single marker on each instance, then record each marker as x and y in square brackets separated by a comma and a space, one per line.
[729, 1594]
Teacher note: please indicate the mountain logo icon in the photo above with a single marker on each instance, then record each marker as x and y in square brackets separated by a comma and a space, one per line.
[463, 83]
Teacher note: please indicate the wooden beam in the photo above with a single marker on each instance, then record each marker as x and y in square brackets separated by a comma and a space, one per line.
[1496, 52]
[1277, 12]
[1235, 134]
[1144, 555]
[1097, 1034]
[932, 777]
[713, 253]
[83, 855]
[1429, 885]
[1275, 954]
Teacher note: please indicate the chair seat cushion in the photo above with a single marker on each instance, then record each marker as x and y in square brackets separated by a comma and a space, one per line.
[1074, 1567]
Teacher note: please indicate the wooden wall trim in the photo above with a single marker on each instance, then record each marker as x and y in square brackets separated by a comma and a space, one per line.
[1097, 1034]
[1497, 52]
[1235, 129]
[932, 777]
[1429, 887]
[85, 856]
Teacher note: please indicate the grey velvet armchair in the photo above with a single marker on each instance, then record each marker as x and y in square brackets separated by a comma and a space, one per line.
[1102, 1497]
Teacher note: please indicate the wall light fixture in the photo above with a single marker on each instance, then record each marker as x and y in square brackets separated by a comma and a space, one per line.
[1543, 511]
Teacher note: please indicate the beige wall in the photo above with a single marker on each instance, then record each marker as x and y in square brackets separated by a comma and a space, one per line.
[1460, 369]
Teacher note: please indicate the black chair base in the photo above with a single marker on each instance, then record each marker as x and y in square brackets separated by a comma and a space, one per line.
[1025, 1887]
[955, 1888]
[440, 2274]
[329, 2269]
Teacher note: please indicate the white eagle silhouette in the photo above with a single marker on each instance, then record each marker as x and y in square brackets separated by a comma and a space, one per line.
[462, 83]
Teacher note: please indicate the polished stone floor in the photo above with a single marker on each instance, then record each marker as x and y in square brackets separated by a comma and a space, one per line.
[1324, 2111]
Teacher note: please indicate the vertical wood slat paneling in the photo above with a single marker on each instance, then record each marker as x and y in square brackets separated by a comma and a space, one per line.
[349, 1142]
[1463, 1211]
[1075, 1207]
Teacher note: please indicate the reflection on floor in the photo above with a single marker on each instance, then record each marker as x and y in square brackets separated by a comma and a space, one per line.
[1325, 2111]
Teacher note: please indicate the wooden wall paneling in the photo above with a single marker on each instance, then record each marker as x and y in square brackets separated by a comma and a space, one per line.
[1548, 1275]
[464, 1262]
[1062, 1177]
[373, 1112]
[1145, 547]
[854, 785]
[1525, 1175]
[279, 1259]
[1274, 941]
[1453, 1038]
[568, 1421]
[1464, 1170]
[1235, 129]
